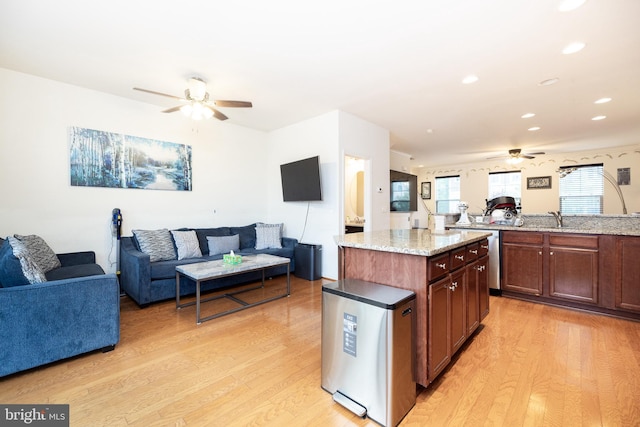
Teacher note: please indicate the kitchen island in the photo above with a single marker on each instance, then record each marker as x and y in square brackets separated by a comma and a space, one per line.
[448, 272]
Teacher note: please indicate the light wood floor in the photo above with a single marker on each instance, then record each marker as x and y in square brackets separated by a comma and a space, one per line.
[529, 365]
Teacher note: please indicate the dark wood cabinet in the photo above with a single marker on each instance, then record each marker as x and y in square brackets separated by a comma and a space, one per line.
[573, 268]
[439, 327]
[627, 276]
[482, 268]
[522, 267]
[598, 273]
[444, 298]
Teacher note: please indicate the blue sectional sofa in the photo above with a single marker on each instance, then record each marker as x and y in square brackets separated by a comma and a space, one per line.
[147, 281]
[76, 310]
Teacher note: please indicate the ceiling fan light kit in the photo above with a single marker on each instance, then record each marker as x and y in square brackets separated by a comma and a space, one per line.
[197, 105]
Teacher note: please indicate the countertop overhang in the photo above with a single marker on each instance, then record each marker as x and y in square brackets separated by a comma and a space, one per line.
[602, 230]
[422, 242]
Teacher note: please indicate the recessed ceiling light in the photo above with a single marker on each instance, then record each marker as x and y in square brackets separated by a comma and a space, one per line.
[596, 118]
[602, 101]
[573, 48]
[534, 128]
[569, 5]
[527, 115]
[549, 82]
[472, 78]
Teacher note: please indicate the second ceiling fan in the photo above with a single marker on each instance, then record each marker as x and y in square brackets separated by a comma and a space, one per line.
[516, 155]
[196, 102]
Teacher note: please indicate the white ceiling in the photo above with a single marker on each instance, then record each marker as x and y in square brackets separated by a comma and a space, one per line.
[398, 64]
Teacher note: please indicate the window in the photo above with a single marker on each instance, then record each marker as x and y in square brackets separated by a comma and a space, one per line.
[447, 194]
[581, 189]
[505, 184]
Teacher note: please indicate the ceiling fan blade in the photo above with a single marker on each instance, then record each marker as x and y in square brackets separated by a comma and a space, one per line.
[238, 104]
[537, 153]
[218, 115]
[526, 156]
[498, 157]
[157, 93]
[173, 109]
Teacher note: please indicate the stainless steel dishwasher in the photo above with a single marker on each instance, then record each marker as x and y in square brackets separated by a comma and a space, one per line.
[368, 348]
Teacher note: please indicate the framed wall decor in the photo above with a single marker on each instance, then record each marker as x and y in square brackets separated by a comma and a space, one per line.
[425, 190]
[538, 182]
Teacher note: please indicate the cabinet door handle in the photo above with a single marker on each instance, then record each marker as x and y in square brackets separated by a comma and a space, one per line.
[453, 286]
[460, 257]
[481, 268]
[442, 266]
[550, 253]
[540, 253]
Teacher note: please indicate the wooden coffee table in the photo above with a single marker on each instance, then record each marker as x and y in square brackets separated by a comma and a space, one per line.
[208, 270]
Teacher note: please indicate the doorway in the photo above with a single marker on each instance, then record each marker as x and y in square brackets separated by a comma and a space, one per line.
[355, 212]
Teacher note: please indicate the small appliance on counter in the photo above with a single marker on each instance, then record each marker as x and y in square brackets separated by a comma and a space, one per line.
[502, 210]
[464, 217]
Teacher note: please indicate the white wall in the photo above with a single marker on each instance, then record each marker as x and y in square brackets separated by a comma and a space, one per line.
[474, 179]
[362, 139]
[37, 198]
[314, 137]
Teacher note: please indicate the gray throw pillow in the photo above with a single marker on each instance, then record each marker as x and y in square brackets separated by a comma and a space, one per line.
[40, 252]
[156, 243]
[223, 244]
[268, 236]
[187, 244]
[30, 269]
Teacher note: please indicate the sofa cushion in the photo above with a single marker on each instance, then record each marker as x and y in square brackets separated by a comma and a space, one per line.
[223, 244]
[158, 244]
[202, 234]
[81, 270]
[247, 235]
[268, 236]
[44, 257]
[16, 266]
[186, 244]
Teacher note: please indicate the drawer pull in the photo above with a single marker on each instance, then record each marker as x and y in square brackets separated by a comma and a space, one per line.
[460, 257]
[442, 266]
[474, 251]
[484, 246]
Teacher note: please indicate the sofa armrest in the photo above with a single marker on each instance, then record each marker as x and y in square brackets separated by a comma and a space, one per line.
[50, 321]
[135, 272]
[77, 258]
[289, 242]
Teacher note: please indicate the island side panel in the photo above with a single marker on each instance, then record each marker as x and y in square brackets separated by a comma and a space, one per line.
[400, 271]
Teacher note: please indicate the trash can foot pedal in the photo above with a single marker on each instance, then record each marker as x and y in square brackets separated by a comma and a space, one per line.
[351, 405]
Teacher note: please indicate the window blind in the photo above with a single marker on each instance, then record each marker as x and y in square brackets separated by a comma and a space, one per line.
[581, 189]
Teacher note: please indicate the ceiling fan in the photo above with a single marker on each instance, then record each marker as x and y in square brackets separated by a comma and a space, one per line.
[516, 155]
[196, 102]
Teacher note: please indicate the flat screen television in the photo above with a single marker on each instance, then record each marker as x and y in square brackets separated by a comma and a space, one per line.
[301, 180]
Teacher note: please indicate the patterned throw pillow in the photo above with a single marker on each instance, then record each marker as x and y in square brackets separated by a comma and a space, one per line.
[30, 269]
[40, 252]
[223, 244]
[187, 244]
[268, 236]
[156, 243]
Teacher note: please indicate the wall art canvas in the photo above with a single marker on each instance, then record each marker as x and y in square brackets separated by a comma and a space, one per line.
[107, 159]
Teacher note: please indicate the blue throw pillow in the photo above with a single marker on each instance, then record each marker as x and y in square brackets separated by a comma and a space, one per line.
[10, 269]
[247, 235]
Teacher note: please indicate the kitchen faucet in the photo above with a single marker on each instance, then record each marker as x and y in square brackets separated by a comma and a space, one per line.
[558, 216]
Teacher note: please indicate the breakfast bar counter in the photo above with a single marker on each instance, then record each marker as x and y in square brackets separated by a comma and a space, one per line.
[448, 272]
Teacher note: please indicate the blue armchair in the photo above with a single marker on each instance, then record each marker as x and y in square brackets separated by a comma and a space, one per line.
[63, 317]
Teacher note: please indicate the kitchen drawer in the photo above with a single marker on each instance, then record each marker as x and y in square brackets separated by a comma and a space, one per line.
[458, 258]
[438, 267]
[483, 248]
[527, 237]
[472, 252]
[573, 240]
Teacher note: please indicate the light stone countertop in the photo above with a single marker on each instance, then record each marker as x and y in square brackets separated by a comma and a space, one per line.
[421, 242]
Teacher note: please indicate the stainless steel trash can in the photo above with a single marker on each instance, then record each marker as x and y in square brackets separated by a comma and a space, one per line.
[368, 349]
